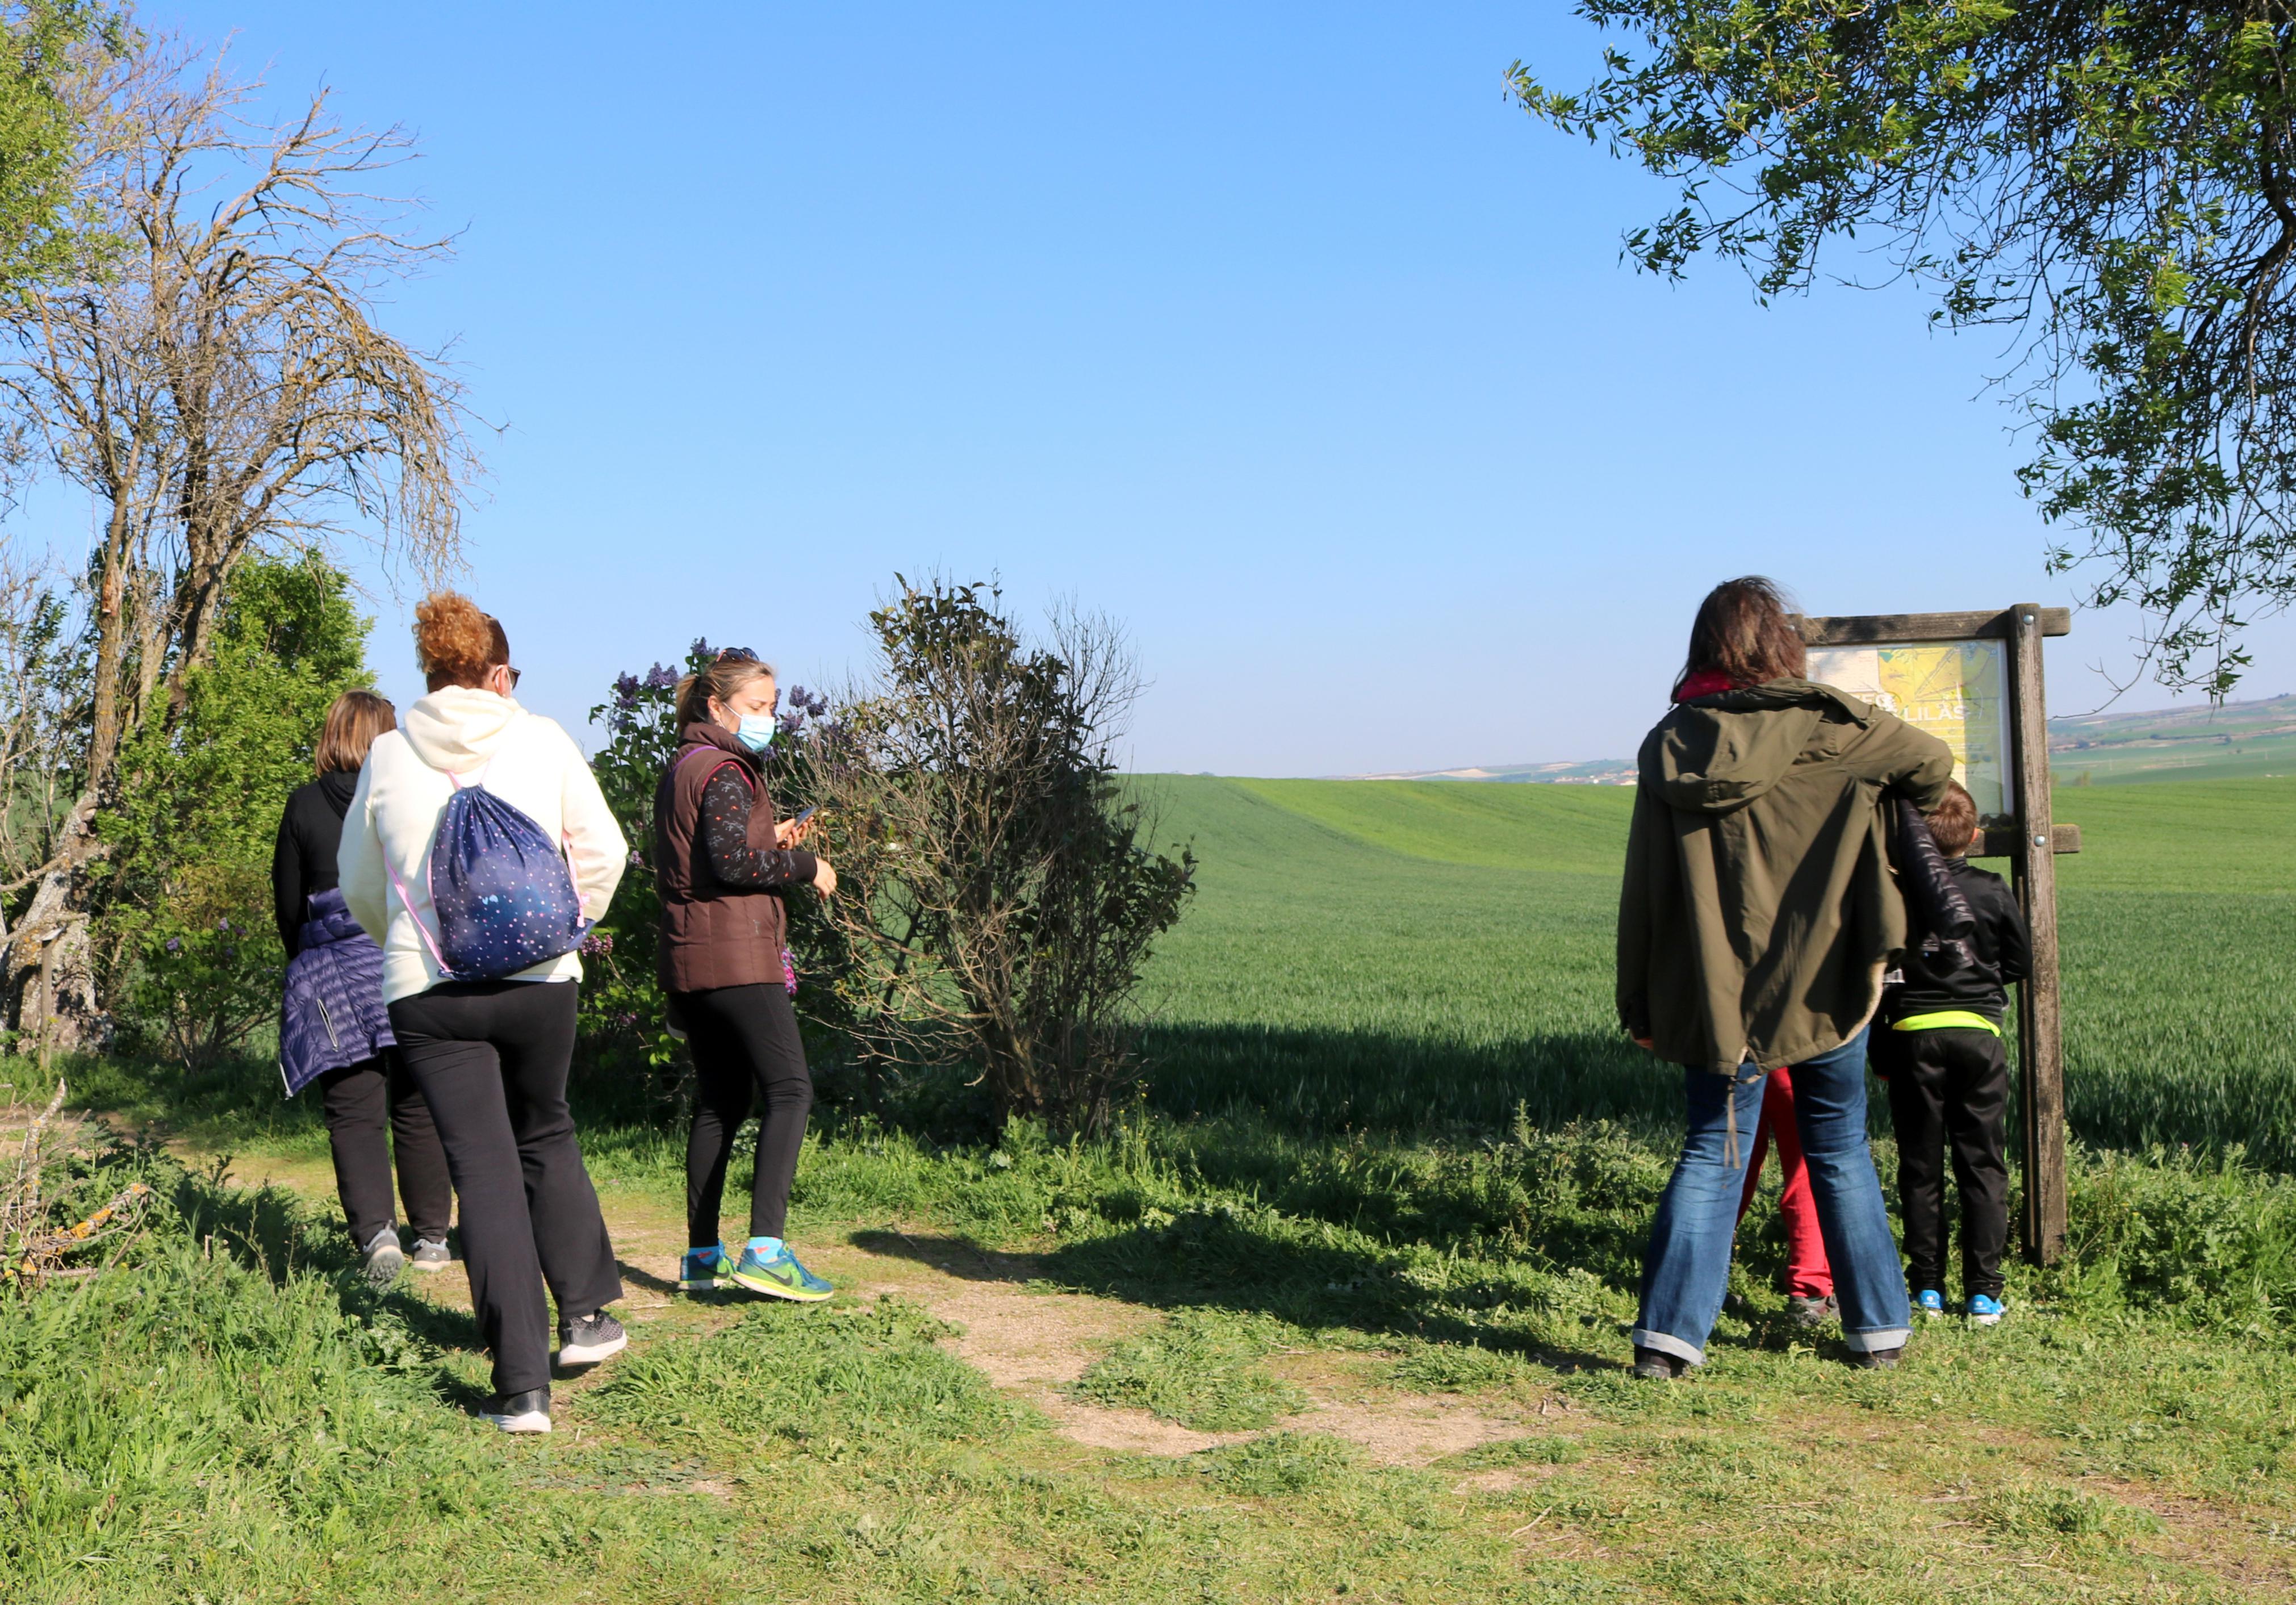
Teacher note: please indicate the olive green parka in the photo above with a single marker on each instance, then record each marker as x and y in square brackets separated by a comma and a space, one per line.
[1759, 905]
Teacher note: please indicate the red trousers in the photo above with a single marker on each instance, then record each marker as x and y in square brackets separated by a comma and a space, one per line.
[1807, 1276]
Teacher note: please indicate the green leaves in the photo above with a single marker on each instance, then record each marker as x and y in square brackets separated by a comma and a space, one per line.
[2109, 181]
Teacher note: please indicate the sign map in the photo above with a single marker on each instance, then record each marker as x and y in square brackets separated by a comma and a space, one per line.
[1957, 691]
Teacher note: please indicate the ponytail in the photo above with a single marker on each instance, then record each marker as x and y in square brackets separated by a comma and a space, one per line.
[722, 679]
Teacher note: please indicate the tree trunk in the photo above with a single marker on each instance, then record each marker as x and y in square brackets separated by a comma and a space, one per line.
[48, 981]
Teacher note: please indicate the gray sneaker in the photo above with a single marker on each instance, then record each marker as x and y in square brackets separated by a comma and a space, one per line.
[589, 1339]
[428, 1254]
[383, 1258]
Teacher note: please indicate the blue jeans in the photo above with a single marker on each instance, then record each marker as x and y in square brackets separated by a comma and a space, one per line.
[1686, 1270]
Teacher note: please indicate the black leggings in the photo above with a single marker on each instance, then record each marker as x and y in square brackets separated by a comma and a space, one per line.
[491, 1058]
[360, 1102]
[746, 1047]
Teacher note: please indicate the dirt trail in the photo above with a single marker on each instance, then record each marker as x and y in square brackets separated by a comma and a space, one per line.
[1029, 1340]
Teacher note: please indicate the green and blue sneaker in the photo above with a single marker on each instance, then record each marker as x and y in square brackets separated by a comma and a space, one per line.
[705, 1270]
[1929, 1301]
[778, 1274]
[1984, 1311]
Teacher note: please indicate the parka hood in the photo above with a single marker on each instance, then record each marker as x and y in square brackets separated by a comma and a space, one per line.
[460, 728]
[1719, 753]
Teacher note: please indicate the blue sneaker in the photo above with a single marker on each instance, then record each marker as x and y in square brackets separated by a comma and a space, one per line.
[779, 1274]
[1929, 1301]
[705, 1270]
[1984, 1311]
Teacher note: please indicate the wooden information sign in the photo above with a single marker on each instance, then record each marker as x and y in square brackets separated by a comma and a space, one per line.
[1975, 680]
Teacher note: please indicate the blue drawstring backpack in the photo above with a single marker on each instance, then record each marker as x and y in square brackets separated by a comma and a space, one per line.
[503, 894]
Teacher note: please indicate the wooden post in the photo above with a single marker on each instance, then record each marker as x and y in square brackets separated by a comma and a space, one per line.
[2032, 841]
[2040, 1028]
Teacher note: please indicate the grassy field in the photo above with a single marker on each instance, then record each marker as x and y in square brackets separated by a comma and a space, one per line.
[1326, 1320]
[1405, 955]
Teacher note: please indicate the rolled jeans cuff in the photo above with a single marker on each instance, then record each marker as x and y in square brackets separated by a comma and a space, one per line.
[1667, 1345]
[1880, 1340]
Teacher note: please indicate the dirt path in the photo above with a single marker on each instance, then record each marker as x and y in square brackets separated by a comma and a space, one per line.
[1029, 1340]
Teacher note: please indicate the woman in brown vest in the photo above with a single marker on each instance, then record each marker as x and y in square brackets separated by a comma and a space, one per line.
[725, 869]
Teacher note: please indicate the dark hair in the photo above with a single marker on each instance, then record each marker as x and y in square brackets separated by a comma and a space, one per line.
[1953, 822]
[455, 642]
[1745, 631]
[730, 671]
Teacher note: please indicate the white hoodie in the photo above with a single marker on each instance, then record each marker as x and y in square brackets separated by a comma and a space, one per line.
[523, 759]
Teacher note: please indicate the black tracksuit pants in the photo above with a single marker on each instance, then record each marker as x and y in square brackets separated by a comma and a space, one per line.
[491, 1058]
[746, 1050]
[360, 1102]
[1949, 1090]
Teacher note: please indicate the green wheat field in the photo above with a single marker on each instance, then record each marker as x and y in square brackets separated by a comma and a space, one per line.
[1363, 1256]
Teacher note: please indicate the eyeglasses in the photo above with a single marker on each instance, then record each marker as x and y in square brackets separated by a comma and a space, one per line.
[738, 654]
[513, 677]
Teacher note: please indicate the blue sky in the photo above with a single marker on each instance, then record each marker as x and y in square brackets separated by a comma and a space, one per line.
[1274, 332]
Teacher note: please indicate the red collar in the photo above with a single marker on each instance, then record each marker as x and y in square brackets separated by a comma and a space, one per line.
[1705, 683]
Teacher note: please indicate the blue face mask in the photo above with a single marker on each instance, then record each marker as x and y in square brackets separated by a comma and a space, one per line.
[756, 731]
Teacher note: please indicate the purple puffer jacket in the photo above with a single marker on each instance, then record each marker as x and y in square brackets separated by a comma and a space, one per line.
[333, 1015]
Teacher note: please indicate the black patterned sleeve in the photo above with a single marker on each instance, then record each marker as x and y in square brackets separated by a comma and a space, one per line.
[726, 802]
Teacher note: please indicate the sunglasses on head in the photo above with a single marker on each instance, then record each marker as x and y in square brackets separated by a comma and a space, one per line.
[736, 654]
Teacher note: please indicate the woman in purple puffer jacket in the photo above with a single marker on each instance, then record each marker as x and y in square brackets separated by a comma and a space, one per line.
[333, 1029]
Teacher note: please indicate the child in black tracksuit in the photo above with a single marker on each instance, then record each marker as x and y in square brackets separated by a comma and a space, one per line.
[1940, 1049]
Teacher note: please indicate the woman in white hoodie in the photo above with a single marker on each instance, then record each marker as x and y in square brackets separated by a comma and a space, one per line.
[491, 1057]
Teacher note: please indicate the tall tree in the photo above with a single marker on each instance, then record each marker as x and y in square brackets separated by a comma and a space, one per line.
[208, 363]
[2113, 181]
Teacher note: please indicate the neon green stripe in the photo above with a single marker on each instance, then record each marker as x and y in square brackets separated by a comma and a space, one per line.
[1947, 1019]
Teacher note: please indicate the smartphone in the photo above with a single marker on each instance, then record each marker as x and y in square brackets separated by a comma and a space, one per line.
[804, 815]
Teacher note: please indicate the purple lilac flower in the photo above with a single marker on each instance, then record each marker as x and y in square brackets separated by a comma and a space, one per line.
[175, 944]
[637, 859]
[660, 678]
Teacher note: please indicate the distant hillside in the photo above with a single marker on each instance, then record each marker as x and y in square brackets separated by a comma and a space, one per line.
[2249, 739]
[2239, 739]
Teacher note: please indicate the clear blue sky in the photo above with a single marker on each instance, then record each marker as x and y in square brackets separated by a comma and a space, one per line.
[1274, 330]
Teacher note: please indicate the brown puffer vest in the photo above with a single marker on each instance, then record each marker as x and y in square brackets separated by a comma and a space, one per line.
[712, 934]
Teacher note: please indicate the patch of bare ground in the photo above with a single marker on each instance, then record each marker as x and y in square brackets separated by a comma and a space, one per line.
[1034, 1342]
[1393, 1427]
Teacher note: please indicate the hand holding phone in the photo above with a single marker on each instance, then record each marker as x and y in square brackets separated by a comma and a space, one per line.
[789, 833]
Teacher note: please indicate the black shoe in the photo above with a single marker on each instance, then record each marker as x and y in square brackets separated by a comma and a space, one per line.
[1812, 1311]
[527, 1412]
[1877, 1359]
[382, 1257]
[1658, 1365]
[588, 1339]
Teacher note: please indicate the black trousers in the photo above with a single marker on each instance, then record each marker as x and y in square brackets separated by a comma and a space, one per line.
[359, 1100]
[746, 1049]
[491, 1058]
[1949, 1089]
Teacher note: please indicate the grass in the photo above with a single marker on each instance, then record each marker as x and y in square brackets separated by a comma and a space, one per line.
[1201, 1369]
[1332, 1173]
